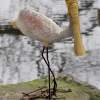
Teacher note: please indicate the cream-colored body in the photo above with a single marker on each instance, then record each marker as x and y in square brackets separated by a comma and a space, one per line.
[40, 27]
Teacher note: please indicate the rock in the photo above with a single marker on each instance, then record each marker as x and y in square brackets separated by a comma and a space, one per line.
[79, 91]
[77, 95]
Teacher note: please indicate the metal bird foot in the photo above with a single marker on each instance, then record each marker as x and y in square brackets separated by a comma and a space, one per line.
[39, 93]
[42, 93]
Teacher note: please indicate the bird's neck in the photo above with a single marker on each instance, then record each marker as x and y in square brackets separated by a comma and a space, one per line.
[66, 33]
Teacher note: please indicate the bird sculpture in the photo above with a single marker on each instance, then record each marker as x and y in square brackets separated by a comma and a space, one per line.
[39, 27]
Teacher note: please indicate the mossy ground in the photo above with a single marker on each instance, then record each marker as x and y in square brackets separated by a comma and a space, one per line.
[79, 91]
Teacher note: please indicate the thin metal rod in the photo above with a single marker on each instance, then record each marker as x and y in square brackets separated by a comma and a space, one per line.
[49, 96]
[54, 79]
[49, 70]
[48, 74]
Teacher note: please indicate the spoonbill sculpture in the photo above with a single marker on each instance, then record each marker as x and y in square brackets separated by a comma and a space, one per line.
[39, 27]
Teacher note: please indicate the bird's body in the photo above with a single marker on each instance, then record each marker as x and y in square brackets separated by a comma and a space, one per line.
[40, 27]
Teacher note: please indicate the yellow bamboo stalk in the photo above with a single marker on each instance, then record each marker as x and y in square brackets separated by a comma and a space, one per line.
[75, 25]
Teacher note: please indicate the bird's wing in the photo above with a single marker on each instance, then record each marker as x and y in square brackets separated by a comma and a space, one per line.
[49, 26]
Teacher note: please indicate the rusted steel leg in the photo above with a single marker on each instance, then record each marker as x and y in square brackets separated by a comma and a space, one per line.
[50, 71]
